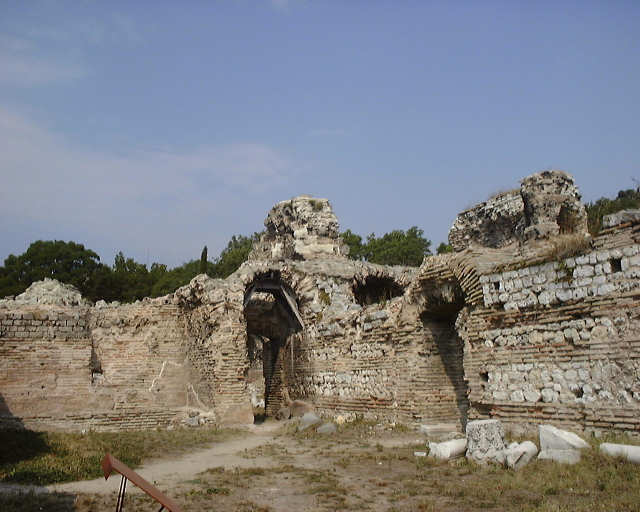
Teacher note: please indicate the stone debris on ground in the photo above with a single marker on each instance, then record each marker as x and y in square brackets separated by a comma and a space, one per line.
[327, 428]
[448, 449]
[485, 441]
[439, 431]
[560, 445]
[626, 451]
[309, 419]
[518, 455]
[284, 413]
[299, 408]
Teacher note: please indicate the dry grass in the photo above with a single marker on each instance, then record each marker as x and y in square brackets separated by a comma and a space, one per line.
[568, 246]
[342, 472]
[50, 457]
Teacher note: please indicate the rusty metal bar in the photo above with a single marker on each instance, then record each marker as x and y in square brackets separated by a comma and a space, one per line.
[110, 464]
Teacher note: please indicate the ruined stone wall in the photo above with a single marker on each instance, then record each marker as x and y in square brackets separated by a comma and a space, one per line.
[516, 331]
[560, 341]
[101, 368]
[546, 204]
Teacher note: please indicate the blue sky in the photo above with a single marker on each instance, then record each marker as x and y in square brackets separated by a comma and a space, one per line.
[158, 127]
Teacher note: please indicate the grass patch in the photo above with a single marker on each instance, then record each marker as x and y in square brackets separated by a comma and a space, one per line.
[44, 458]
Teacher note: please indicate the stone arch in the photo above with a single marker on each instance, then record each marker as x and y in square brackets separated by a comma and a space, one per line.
[271, 312]
[440, 297]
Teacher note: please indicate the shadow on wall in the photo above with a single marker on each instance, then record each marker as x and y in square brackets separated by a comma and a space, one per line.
[450, 350]
[16, 442]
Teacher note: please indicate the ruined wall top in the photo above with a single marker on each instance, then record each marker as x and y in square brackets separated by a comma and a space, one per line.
[50, 292]
[546, 204]
[302, 228]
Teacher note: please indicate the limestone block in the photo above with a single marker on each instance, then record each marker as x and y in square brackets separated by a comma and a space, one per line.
[561, 456]
[299, 408]
[485, 441]
[621, 217]
[552, 438]
[308, 420]
[448, 449]
[628, 452]
[327, 428]
[518, 455]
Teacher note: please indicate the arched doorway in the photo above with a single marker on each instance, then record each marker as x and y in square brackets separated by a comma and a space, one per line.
[442, 300]
[272, 316]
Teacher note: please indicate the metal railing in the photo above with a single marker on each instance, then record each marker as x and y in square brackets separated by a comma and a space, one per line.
[111, 464]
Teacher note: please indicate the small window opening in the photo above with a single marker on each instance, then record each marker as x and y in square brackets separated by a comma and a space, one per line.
[484, 376]
[567, 220]
[496, 285]
[616, 264]
[375, 290]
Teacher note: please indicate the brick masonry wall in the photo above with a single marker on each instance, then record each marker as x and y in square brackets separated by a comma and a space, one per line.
[560, 342]
[110, 368]
[555, 342]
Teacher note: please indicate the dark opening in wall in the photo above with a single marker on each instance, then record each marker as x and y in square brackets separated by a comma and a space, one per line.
[95, 365]
[376, 289]
[444, 367]
[567, 220]
[484, 376]
[616, 264]
[496, 285]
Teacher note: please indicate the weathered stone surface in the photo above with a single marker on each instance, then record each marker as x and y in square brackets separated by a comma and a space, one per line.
[519, 332]
[519, 455]
[448, 449]
[485, 441]
[626, 451]
[308, 420]
[621, 217]
[327, 428]
[299, 408]
[302, 227]
[547, 203]
[439, 431]
[49, 292]
[560, 456]
[552, 438]
[284, 413]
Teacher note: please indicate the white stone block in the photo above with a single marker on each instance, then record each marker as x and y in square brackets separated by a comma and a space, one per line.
[485, 441]
[448, 450]
[552, 438]
[519, 455]
[561, 456]
[628, 452]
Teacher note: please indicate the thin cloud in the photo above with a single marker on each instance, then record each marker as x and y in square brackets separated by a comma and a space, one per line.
[141, 200]
[330, 132]
[29, 70]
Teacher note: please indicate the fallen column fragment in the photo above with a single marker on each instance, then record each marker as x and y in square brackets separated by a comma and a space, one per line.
[626, 451]
[448, 449]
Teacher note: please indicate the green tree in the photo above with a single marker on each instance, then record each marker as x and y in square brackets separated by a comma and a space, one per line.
[203, 261]
[444, 248]
[132, 279]
[626, 199]
[395, 248]
[235, 254]
[357, 250]
[68, 262]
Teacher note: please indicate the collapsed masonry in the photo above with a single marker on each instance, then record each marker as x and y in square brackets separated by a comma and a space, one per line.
[507, 327]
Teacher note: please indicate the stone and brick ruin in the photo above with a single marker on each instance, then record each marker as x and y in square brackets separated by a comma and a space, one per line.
[529, 321]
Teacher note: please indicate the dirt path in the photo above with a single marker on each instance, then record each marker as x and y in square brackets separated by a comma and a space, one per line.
[168, 473]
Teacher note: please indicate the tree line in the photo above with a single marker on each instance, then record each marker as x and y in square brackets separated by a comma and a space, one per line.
[128, 280]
